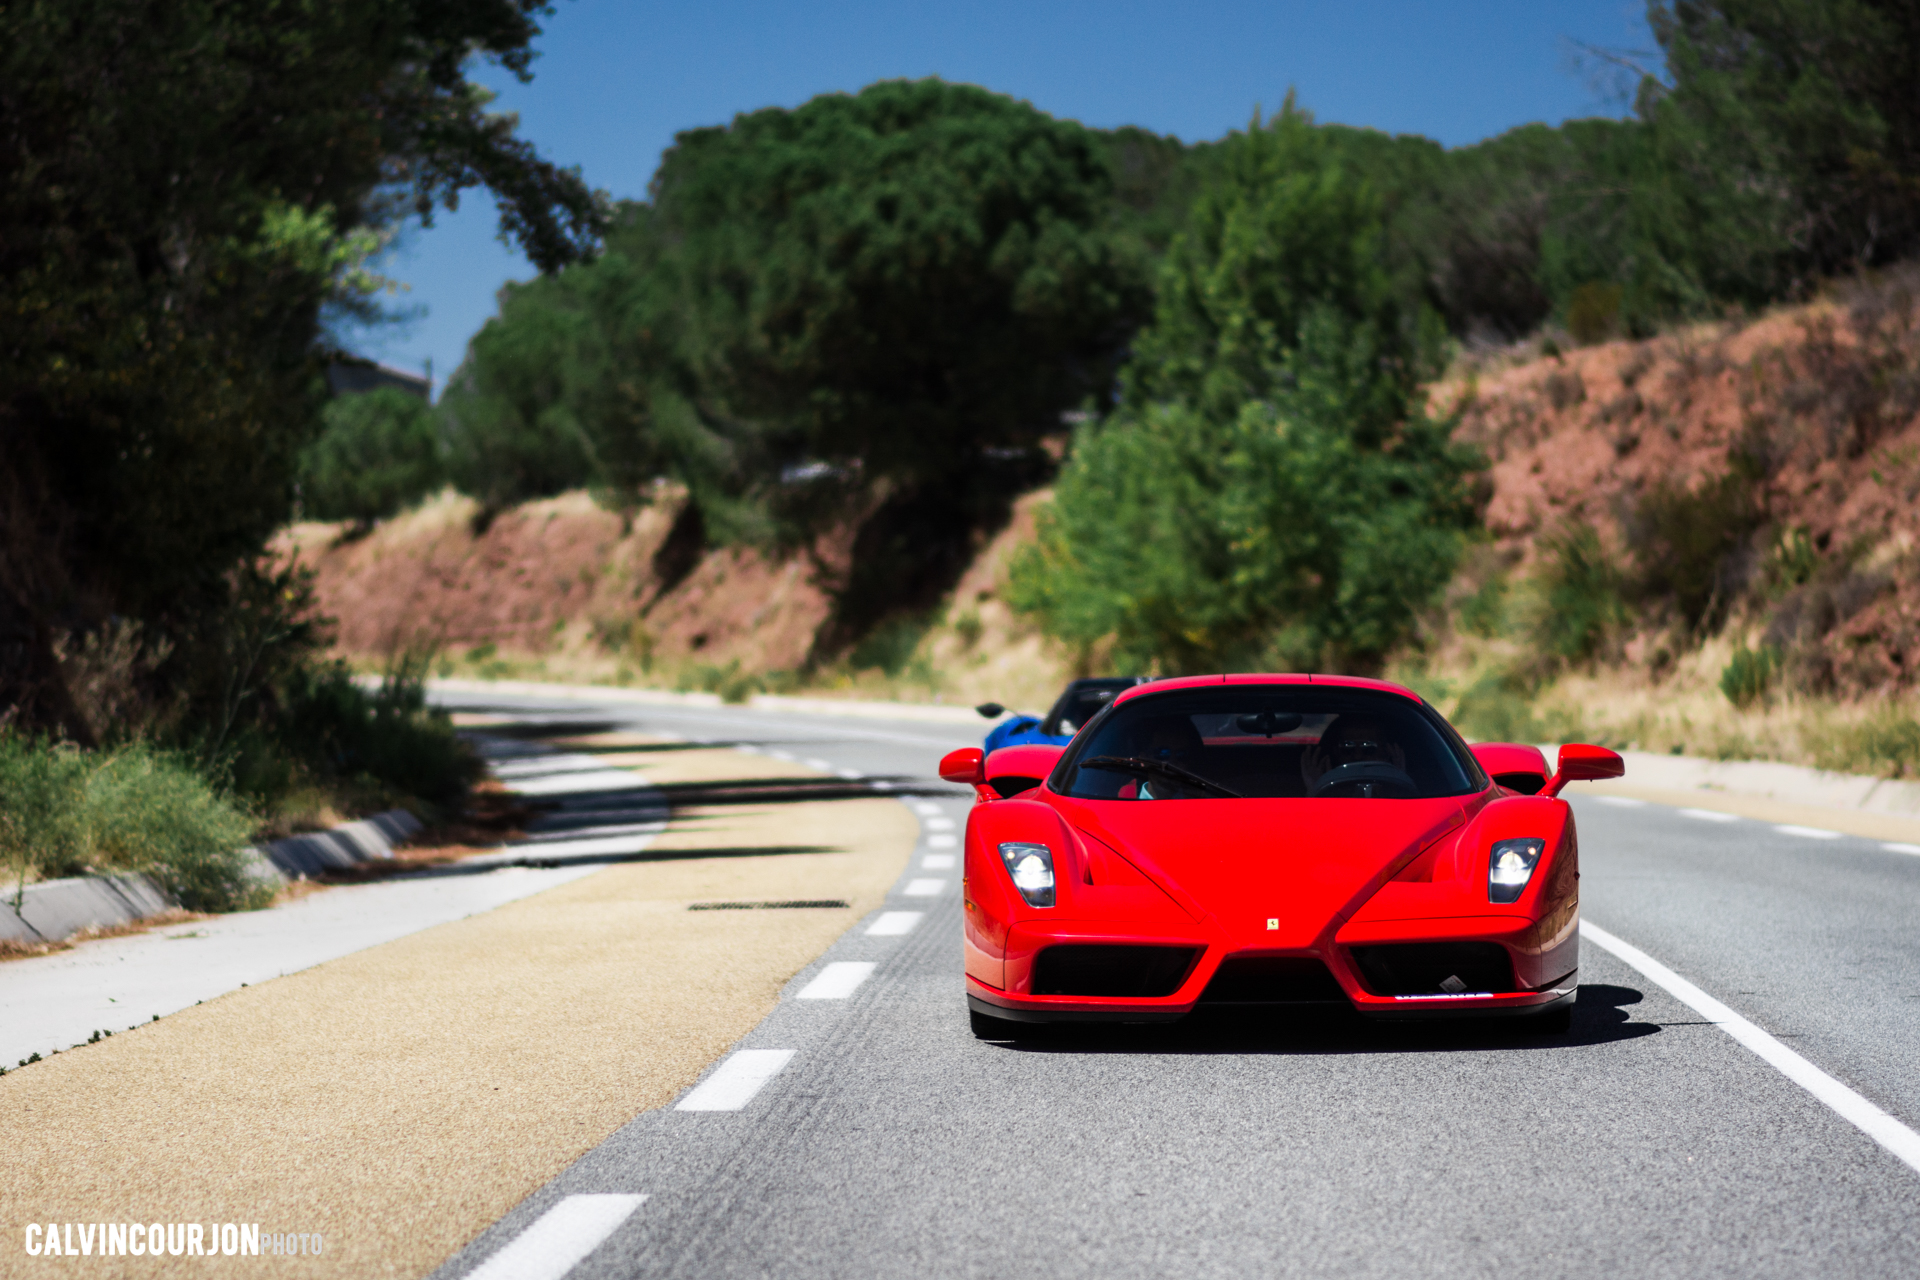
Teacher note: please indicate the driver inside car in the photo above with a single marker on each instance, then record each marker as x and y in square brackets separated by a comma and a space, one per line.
[1349, 740]
[1170, 738]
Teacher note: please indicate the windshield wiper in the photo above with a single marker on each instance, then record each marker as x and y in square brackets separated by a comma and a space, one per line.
[1140, 765]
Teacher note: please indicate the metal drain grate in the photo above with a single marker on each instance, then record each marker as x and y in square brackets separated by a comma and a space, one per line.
[830, 903]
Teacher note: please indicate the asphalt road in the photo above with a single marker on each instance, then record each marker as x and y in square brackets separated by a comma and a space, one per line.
[861, 1130]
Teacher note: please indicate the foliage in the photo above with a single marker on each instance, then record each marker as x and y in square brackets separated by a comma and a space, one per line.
[388, 742]
[879, 293]
[187, 192]
[1268, 494]
[1806, 110]
[1886, 743]
[1579, 602]
[1685, 541]
[377, 452]
[1749, 674]
[64, 811]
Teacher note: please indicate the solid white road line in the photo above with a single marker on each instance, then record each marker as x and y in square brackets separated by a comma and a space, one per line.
[1709, 815]
[558, 1239]
[1624, 802]
[1896, 847]
[1896, 1137]
[929, 810]
[891, 924]
[942, 842]
[733, 1085]
[938, 824]
[924, 888]
[937, 862]
[1811, 833]
[837, 981]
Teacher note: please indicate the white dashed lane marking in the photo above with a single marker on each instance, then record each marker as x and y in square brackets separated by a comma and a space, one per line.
[821, 765]
[938, 824]
[942, 842]
[924, 888]
[850, 773]
[837, 981]
[1810, 833]
[1709, 815]
[929, 810]
[734, 1083]
[937, 862]
[1624, 802]
[558, 1239]
[892, 924]
[1896, 847]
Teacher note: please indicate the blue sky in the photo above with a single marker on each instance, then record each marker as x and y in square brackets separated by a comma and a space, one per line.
[616, 80]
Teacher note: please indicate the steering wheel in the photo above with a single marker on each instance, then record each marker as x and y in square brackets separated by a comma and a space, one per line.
[1363, 772]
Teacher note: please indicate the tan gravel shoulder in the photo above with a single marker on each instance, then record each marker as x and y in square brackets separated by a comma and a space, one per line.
[403, 1098]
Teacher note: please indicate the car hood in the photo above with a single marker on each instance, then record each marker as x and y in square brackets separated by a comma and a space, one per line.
[1273, 873]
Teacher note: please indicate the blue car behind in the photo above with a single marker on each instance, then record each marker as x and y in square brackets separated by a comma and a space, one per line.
[1082, 700]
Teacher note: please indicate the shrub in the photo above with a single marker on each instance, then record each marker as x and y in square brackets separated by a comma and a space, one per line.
[378, 452]
[152, 811]
[1496, 709]
[1887, 743]
[1746, 679]
[388, 741]
[135, 808]
[1685, 539]
[1579, 599]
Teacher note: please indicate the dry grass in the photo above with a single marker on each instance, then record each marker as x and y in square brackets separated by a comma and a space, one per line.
[14, 949]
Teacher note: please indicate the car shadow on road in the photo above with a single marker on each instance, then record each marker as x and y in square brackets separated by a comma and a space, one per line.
[1600, 1017]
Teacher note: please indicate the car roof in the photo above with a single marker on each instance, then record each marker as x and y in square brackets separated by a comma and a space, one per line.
[1197, 682]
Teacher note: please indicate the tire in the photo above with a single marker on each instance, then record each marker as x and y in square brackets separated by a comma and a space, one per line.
[990, 1028]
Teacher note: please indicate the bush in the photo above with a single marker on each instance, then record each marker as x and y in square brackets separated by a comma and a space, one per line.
[1746, 679]
[1579, 603]
[378, 452]
[1886, 743]
[1685, 540]
[65, 812]
[388, 741]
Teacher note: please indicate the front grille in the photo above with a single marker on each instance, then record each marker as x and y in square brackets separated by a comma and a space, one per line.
[1091, 970]
[1272, 980]
[1422, 968]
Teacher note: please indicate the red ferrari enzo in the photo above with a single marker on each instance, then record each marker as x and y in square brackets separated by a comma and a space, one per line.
[1270, 840]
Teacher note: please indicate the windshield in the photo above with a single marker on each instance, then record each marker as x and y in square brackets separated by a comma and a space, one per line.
[1268, 741]
[1083, 700]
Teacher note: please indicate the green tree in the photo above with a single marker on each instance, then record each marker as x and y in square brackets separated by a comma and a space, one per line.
[185, 189]
[377, 452]
[880, 292]
[1268, 492]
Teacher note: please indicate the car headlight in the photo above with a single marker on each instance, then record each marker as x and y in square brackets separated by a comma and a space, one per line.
[1511, 867]
[1031, 868]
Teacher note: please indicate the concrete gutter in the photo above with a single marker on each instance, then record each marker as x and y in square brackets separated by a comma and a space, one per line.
[54, 910]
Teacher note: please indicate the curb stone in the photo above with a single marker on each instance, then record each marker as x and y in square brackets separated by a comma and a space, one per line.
[57, 909]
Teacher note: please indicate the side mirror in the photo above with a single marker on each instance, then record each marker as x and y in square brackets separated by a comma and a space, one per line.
[1583, 762]
[1513, 765]
[991, 710]
[967, 766]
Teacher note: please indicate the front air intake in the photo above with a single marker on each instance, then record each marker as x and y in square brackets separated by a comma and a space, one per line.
[1435, 968]
[1090, 970]
[1272, 980]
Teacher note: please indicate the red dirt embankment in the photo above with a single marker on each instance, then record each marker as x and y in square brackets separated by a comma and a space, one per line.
[550, 575]
[1819, 405]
